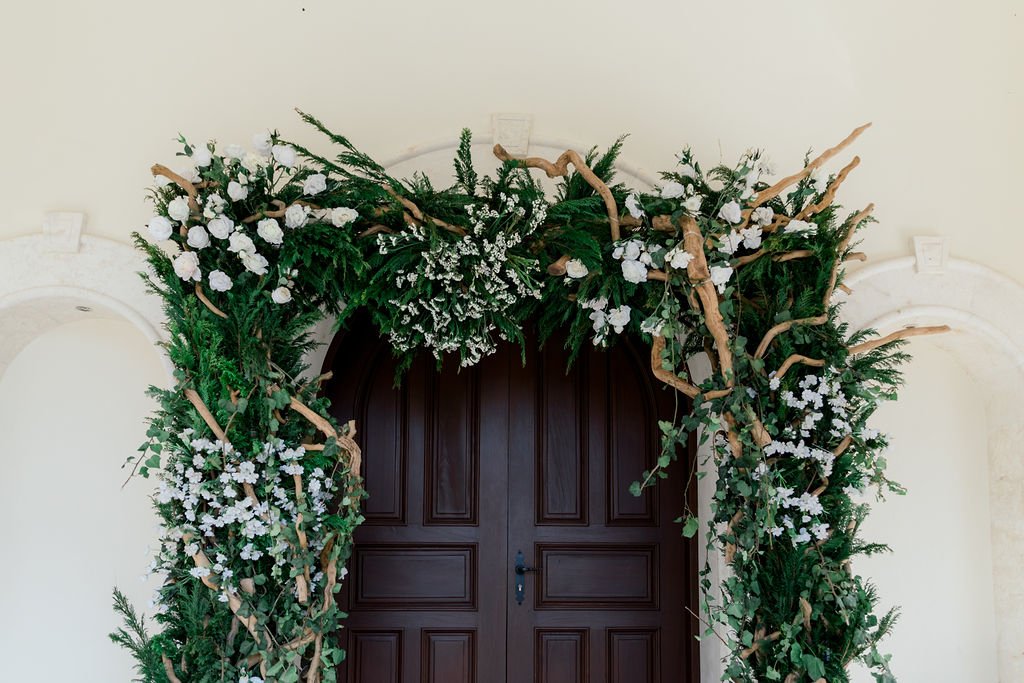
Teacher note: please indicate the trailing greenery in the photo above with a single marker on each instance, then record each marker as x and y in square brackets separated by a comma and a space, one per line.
[259, 489]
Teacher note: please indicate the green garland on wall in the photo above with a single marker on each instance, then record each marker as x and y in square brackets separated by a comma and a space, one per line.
[259, 489]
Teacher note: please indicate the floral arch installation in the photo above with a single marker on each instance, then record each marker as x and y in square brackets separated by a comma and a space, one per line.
[259, 489]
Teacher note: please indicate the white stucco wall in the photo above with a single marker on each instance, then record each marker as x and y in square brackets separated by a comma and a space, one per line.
[71, 411]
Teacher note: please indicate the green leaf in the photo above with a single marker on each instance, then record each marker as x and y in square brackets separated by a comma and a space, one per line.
[690, 526]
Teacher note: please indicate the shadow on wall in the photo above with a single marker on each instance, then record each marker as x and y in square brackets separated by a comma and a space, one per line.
[71, 409]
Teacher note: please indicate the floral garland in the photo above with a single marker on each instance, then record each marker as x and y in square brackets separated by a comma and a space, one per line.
[259, 489]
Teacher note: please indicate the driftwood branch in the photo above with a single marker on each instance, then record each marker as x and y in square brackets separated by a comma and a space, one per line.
[899, 334]
[209, 304]
[797, 358]
[190, 189]
[560, 167]
[771, 334]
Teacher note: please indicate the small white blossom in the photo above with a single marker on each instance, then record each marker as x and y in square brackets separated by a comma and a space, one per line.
[236, 191]
[751, 237]
[634, 271]
[762, 216]
[262, 142]
[731, 212]
[692, 204]
[221, 227]
[240, 242]
[576, 269]
[342, 216]
[720, 276]
[678, 258]
[197, 237]
[160, 228]
[314, 184]
[219, 281]
[253, 262]
[618, 317]
[295, 216]
[201, 157]
[284, 155]
[270, 230]
[731, 242]
[178, 209]
[186, 266]
[281, 295]
[672, 190]
[633, 206]
[801, 228]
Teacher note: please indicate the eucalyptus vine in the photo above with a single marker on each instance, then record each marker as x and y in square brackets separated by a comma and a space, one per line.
[259, 489]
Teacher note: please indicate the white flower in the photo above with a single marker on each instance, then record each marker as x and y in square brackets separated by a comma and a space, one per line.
[186, 266]
[731, 242]
[197, 237]
[219, 281]
[199, 572]
[634, 271]
[692, 204]
[628, 250]
[652, 326]
[270, 230]
[687, 171]
[678, 258]
[762, 215]
[342, 216]
[619, 317]
[801, 228]
[221, 227]
[596, 304]
[253, 262]
[751, 237]
[672, 190]
[262, 143]
[162, 181]
[774, 383]
[160, 228]
[819, 180]
[284, 155]
[802, 537]
[178, 209]
[599, 318]
[731, 212]
[201, 157]
[251, 162]
[633, 206]
[314, 184]
[820, 531]
[239, 242]
[236, 191]
[189, 173]
[234, 151]
[281, 295]
[576, 269]
[720, 277]
[295, 216]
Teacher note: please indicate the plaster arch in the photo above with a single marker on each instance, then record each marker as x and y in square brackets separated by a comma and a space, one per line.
[49, 279]
[986, 313]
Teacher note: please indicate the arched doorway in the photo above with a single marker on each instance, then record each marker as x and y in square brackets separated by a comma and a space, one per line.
[469, 472]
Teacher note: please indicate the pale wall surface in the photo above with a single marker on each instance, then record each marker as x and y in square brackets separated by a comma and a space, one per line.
[71, 411]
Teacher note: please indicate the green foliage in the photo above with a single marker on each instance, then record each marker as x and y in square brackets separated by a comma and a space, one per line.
[456, 271]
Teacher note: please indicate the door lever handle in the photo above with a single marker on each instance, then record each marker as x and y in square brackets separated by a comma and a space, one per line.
[520, 571]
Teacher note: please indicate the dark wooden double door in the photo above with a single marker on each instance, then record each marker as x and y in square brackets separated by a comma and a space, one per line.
[467, 469]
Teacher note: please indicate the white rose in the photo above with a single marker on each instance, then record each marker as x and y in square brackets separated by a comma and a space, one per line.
[189, 173]
[599, 318]
[234, 151]
[221, 227]
[281, 295]
[163, 181]
[262, 143]
[284, 155]
[634, 271]
[197, 237]
[731, 213]
[178, 209]
[237, 192]
[214, 206]
[270, 230]
[633, 206]
[252, 162]
[619, 317]
[186, 266]
[687, 171]
[219, 281]
[239, 242]
[576, 269]
[751, 237]
[762, 215]
[631, 250]
[801, 228]
[160, 228]
[342, 216]
[672, 190]
[679, 258]
[692, 204]
[731, 242]
[201, 157]
[295, 216]
[720, 277]
[716, 185]
[315, 184]
[253, 262]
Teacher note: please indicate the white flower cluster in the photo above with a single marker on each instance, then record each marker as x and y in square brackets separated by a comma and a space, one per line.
[471, 282]
[806, 507]
[635, 257]
[222, 516]
[606, 319]
[248, 170]
[675, 190]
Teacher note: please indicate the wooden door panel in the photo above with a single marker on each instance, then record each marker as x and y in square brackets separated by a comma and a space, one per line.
[465, 468]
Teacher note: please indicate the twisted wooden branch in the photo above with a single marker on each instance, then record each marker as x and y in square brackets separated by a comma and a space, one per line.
[700, 275]
[899, 334]
[417, 214]
[783, 327]
[854, 223]
[169, 669]
[209, 304]
[345, 441]
[771, 638]
[190, 189]
[797, 358]
[277, 212]
[561, 168]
